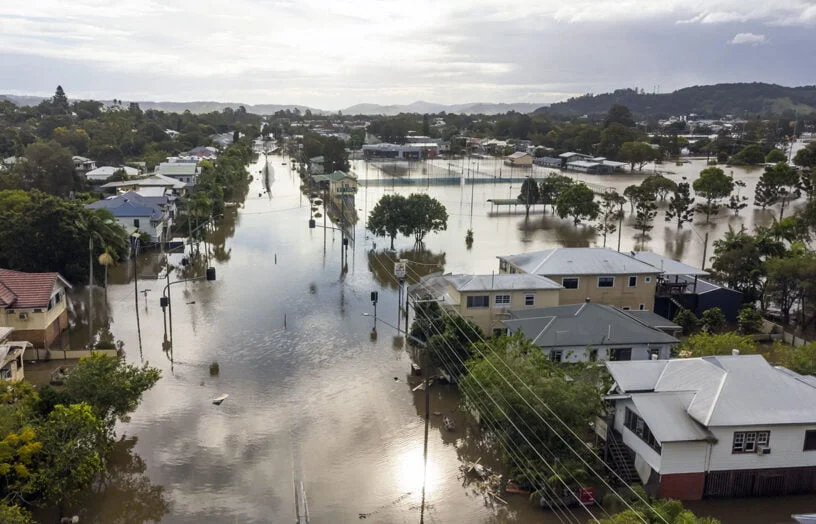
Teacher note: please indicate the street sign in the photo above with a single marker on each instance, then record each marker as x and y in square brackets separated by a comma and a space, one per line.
[400, 269]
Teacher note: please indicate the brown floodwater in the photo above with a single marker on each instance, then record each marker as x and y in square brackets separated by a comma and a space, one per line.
[313, 398]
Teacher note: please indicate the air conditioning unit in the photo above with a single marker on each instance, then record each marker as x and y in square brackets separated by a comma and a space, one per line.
[763, 450]
[23, 316]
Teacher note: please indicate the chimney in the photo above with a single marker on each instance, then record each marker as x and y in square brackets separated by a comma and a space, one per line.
[735, 352]
[586, 300]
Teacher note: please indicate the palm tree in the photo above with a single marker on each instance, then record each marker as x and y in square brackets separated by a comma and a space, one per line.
[100, 225]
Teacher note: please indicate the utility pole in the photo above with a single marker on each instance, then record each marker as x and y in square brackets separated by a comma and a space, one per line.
[705, 248]
[90, 293]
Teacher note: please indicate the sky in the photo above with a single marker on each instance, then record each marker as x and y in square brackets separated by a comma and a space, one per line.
[332, 54]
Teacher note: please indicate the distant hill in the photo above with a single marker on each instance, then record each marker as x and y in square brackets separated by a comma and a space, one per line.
[707, 101]
[268, 109]
[176, 107]
[430, 107]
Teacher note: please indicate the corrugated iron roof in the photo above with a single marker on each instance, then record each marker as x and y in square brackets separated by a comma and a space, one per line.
[582, 325]
[732, 390]
[579, 261]
[665, 414]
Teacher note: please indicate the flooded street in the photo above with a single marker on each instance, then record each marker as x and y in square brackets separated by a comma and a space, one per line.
[313, 398]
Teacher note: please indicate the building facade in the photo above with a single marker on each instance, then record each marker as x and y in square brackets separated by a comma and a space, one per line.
[724, 426]
[601, 275]
[487, 300]
[34, 305]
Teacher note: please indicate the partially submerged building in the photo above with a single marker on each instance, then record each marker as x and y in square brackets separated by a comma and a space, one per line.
[720, 426]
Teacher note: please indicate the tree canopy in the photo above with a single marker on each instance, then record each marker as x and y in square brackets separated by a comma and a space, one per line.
[577, 202]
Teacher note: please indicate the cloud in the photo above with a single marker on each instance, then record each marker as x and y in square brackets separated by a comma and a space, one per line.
[334, 54]
[749, 39]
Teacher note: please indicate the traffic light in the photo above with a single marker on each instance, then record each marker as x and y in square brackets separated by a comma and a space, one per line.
[311, 223]
[210, 274]
[375, 296]
[164, 301]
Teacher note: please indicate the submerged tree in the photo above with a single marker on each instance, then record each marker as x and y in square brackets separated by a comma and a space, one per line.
[779, 184]
[737, 202]
[713, 185]
[529, 194]
[681, 204]
[424, 214]
[387, 217]
[578, 202]
[659, 186]
[611, 212]
[552, 187]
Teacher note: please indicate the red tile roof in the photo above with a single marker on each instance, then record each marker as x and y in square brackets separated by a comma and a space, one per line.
[27, 290]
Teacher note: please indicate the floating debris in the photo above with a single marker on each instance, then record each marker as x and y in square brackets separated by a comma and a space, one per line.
[214, 369]
[219, 399]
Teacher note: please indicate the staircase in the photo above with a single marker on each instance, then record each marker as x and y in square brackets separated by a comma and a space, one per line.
[621, 458]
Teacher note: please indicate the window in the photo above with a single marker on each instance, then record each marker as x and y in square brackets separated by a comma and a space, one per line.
[478, 301]
[632, 281]
[654, 353]
[502, 301]
[503, 266]
[50, 304]
[38, 310]
[642, 307]
[648, 280]
[593, 355]
[620, 354]
[810, 440]
[136, 223]
[570, 282]
[497, 332]
[529, 299]
[748, 441]
[626, 308]
[606, 281]
[556, 355]
[638, 426]
[58, 298]
[10, 311]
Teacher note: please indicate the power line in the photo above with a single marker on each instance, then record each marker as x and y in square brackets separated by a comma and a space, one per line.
[518, 430]
[532, 432]
[551, 412]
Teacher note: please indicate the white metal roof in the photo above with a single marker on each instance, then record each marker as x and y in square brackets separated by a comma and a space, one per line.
[665, 414]
[668, 266]
[579, 261]
[500, 282]
[733, 390]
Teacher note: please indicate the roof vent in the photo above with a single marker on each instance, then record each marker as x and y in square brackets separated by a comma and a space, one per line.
[586, 300]
[735, 352]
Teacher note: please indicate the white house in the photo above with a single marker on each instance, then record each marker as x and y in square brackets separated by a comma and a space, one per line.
[720, 426]
[135, 212]
[100, 174]
[186, 172]
[587, 331]
[82, 165]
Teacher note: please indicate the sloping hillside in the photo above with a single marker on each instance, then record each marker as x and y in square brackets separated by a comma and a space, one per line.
[708, 101]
